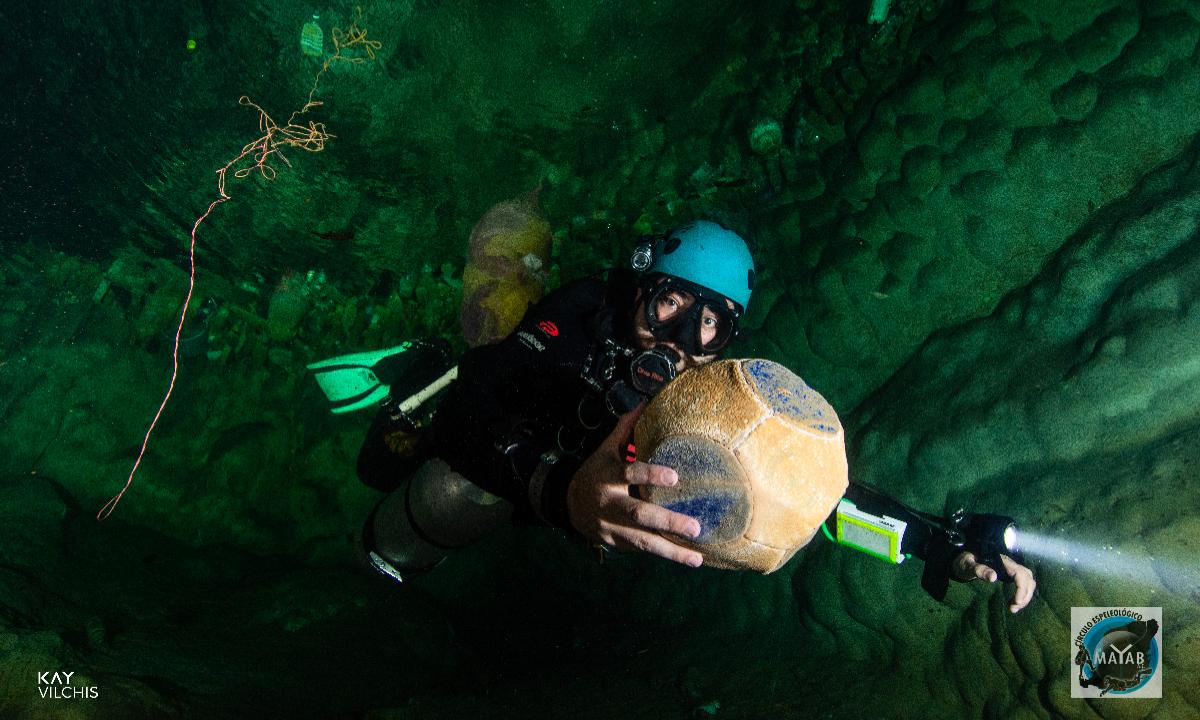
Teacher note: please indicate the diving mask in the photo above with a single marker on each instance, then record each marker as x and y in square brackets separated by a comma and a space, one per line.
[696, 320]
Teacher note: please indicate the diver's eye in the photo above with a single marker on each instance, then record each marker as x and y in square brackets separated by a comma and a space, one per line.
[671, 304]
[667, 307]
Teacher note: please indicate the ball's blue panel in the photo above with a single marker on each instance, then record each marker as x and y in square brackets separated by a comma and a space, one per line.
[710, 510]
[786, 394]
[712, 487]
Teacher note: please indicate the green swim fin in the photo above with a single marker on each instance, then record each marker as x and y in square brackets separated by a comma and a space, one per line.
[359, 380]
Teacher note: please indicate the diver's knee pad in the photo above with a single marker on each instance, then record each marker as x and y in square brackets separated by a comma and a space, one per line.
[438, 510]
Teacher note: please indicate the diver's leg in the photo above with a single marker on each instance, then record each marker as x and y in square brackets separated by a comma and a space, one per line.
[437, 511]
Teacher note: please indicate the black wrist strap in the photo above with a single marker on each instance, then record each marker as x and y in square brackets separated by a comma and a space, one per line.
[935, 579]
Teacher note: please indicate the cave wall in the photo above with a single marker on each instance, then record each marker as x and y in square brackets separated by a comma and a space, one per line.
[1023, 272]
[1013, 126]
[1074, 408]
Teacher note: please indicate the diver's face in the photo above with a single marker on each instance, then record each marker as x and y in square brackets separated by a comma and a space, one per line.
[668, 305]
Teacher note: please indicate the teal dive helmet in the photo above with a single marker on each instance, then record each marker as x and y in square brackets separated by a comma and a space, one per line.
[703, 253]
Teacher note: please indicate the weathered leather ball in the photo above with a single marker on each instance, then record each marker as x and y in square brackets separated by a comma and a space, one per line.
[761, 459]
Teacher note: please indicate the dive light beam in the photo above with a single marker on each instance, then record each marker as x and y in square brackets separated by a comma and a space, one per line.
[1109, 561]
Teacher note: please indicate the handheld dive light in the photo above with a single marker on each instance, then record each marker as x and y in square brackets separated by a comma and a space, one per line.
[877, 525]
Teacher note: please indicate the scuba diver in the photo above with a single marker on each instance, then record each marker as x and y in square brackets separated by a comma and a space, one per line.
[535, 428]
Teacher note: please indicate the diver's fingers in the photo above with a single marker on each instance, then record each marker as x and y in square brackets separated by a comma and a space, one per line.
[983, 572]
[966, 568]
[648, 516]
[641, 473]
[1023, 579]
[633, 539]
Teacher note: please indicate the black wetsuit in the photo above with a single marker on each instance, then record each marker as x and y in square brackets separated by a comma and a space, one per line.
[536, 391]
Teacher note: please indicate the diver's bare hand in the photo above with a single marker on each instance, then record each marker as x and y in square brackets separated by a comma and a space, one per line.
[967, 568]
[601, 508]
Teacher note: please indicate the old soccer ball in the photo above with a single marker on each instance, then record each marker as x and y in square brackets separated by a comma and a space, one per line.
[761, 459]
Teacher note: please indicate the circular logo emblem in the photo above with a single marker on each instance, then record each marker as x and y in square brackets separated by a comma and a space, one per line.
[1119, 655]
